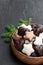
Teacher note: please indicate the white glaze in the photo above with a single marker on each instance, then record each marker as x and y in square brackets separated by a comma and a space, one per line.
[28, 49]
[27, 27]
[38, 41]
[41, 35]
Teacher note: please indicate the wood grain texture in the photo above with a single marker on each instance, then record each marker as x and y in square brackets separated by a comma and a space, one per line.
[24, 58]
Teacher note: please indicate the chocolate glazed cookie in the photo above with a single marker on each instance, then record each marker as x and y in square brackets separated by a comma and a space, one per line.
[38, 50]
[37, 29]
[19, 44]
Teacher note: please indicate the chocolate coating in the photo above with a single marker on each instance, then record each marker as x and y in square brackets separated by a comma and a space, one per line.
[21, 31]
[33, 54]
[19, 44]
[39, 50]
[37, 29]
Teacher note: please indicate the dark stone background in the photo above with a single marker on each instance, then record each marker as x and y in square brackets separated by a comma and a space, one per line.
[10, 13]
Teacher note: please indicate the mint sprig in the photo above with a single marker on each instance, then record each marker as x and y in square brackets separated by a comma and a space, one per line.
[11, 29]
[26, 22]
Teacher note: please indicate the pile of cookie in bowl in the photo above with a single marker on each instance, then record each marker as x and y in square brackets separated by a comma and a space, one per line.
[29, 39]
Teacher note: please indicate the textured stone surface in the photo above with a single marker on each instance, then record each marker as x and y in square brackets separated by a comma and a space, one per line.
[10, 13]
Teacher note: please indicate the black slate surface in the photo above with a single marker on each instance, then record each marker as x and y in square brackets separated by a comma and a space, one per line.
[10, 13]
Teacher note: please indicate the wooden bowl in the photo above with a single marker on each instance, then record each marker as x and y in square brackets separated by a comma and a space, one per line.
[24, 58]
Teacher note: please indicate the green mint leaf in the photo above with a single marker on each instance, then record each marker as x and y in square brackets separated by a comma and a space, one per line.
[7, 40]
[6, 35]
[26, 22]
[10, 28]
[30, 20]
